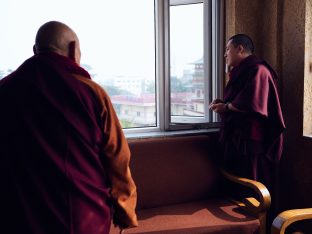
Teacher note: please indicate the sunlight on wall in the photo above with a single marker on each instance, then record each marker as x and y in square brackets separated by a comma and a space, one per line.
[307, 105]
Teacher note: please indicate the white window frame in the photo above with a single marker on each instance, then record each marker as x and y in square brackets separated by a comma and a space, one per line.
[184, 122]
[213, 66]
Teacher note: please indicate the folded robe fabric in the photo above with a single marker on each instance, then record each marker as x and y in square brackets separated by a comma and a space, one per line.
[64, 161]
[252, 88]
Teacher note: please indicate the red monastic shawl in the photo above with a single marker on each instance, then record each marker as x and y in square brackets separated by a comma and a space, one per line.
[252, 88]
[52, 178]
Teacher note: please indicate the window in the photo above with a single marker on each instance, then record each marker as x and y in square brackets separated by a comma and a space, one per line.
[195, 58]
[186, 59]
[159, 60]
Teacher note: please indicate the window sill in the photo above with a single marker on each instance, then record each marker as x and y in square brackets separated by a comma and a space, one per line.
[133, 136]
[307, 136]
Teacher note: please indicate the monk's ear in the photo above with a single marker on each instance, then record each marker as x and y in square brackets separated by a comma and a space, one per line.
[72, 50]
[240, 48]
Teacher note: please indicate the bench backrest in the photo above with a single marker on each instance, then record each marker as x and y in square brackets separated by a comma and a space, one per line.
[173, 170]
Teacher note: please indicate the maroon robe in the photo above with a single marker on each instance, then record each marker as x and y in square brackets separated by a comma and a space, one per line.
[252, 139]
[57, 148]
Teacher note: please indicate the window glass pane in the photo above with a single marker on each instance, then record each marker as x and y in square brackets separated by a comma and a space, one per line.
[117, 42]
[186, 61]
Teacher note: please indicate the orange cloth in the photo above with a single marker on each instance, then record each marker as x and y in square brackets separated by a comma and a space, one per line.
[64, 159]
[117, 158]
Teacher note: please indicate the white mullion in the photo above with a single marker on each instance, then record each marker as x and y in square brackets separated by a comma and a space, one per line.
[160, 63]
[217, 51]
[207, 57]
[166, 62]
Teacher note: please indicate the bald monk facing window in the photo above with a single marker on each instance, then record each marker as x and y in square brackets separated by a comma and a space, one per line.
[64, 161]
[252, 121]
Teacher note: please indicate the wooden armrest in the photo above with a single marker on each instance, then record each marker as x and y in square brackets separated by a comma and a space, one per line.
[252, 204]
[286, 218]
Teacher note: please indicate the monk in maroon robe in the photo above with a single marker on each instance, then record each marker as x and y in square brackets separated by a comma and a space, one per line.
[64, 161]
[252, 121]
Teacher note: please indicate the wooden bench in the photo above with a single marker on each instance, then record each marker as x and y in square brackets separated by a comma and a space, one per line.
[286, 218]
[180, 189]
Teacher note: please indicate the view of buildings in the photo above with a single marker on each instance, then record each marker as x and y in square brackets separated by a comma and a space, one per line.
[121, 57]
[134, 97]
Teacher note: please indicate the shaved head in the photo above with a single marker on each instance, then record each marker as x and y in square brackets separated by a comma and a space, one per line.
[59, 38]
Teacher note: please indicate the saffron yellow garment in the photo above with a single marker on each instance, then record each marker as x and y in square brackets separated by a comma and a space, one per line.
[64, 160]
[117, 157]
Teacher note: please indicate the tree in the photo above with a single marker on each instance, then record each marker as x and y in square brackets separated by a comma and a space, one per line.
[177, 86]
[150, 88]
[112, 90]
[126, 124]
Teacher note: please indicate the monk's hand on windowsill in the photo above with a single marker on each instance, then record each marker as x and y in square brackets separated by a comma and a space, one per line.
[216, 101]
[219, 108]
[212, 105]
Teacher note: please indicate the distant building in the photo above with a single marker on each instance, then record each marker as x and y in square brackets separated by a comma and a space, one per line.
[134, 84]
[191, 104]
[198, 90]
[180, 102]
[139, 108]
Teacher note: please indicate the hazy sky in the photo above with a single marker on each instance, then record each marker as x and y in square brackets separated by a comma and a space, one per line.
[186, 36]
[116, 37]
